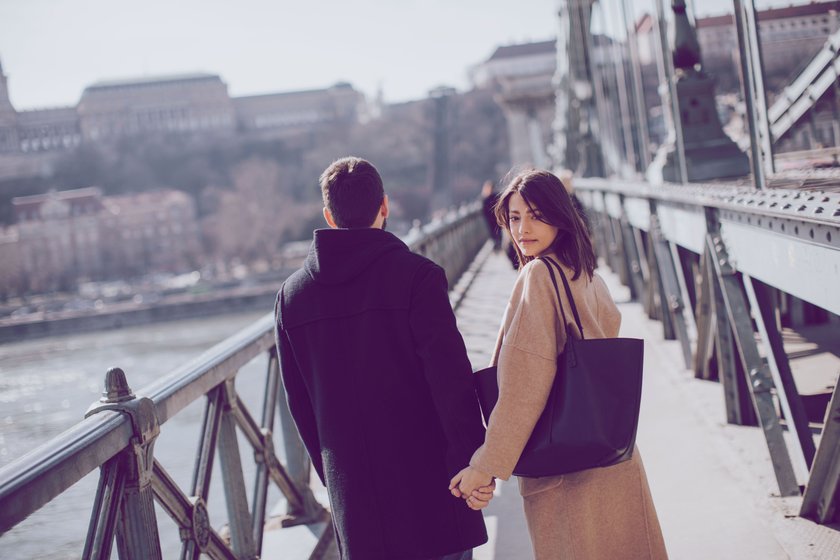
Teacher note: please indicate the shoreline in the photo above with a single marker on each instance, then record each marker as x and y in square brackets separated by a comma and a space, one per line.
[125, 315]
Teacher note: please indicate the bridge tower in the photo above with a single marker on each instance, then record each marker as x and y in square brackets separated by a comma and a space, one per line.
[574, 146]
[709, 152]
[520, 77]
[8, 118]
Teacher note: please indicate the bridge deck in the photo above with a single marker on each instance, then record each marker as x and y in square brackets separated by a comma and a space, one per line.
[712, 483]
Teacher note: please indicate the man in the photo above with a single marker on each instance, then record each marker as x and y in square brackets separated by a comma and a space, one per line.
[378, 381]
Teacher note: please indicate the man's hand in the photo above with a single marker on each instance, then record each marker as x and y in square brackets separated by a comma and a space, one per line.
[472, 485]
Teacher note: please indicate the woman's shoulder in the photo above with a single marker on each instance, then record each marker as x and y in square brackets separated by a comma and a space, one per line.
[601, 286]
[540, 271]
[536, 273]
[534, 268]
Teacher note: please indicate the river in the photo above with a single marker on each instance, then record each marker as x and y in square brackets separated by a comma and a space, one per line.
[46, 385]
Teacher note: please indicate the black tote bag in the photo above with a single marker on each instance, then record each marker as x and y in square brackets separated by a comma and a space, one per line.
[592, 412]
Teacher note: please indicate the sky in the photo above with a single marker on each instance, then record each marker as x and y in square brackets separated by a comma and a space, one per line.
[52, 49]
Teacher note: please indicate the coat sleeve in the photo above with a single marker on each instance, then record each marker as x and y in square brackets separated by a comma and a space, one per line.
[297, 396]
[609, 317]
[445, 364]
[526, 368]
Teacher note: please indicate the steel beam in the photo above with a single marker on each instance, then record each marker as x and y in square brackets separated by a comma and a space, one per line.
[672, 298]
[261, 478]
[685, 226]
[755, 98]
[704, 351]
[784, 261]
[239, 516]
[634, 264]
[764, 315]
[823, 489]
[207, 446]
[191, 517]
[106, 506]
[685, 294]
[760, 380]
[644, 264]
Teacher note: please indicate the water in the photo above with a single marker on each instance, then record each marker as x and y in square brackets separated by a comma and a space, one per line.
[46, 385]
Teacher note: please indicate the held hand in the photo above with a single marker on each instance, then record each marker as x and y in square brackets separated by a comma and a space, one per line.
[467, 481]
[456, 480]
[480, 498]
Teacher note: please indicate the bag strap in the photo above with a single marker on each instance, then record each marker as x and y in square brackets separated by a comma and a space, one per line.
[568, 292]
[556, 289]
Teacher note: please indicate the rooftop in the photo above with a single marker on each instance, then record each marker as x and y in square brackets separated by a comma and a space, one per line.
[153, 80]
[802, 10]
[525, 49]
[69, 195]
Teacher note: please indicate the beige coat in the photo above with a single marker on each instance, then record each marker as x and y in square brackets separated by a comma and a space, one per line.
[602, 513]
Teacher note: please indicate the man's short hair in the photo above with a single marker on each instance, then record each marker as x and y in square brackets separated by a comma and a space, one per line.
[352, 192]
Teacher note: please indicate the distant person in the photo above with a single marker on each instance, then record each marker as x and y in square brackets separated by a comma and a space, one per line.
[593, 514]
[567, 178]
[488, 207]
[489, 199]
[379, 383]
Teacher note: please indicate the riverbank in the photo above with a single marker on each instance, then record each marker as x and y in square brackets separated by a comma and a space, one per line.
[124, 314]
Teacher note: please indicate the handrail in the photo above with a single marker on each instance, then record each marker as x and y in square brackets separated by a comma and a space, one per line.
[194, 379]
[712, 262]
[811, 206]
[51, 468]
[34, 479]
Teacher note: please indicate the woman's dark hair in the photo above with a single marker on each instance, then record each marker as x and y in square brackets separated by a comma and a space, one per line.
[352, 191]
[546, 196]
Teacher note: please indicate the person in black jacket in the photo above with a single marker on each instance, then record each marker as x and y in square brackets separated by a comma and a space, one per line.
[378, 381]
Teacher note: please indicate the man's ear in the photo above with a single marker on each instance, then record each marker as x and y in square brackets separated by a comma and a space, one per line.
[384, 210]
[329, 218]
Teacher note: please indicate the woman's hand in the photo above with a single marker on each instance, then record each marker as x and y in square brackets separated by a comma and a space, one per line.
[466, 482]
[480, 498]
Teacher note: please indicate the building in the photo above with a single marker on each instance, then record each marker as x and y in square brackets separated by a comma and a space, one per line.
[62, 237]
[283, 114]
[521, 78]
[790, 37]
[42, 130]
[154, 231]
[180, 104]
[185, 103]
[59, 237]
[11, 273]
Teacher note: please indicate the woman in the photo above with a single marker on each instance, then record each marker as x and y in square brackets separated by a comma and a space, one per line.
[600, 513]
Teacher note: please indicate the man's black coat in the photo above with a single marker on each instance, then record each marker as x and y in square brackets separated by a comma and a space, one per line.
[380, 387]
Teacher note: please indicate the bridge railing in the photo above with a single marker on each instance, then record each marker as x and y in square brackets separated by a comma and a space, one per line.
[118, 436]
[714, 263]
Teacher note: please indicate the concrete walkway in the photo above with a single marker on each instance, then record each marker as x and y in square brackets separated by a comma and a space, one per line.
[713, 484]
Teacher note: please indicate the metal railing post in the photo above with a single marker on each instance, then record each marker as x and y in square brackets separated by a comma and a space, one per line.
[298, 467]
[136, 525]
[239, 516]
